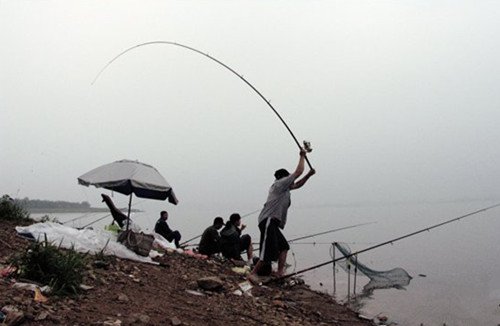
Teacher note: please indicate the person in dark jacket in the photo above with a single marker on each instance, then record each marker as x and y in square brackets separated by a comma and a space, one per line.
[209, 243]
[232, 243]
[162, 228]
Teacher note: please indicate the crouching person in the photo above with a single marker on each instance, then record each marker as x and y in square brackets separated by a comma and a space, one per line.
[232, 243]
[209, 243]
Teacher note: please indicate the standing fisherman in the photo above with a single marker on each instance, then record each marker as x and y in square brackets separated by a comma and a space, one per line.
[272, 218]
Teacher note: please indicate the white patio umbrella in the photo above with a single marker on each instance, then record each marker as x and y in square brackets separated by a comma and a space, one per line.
[130, 177]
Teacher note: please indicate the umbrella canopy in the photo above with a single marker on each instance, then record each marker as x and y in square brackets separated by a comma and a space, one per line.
[127, 177]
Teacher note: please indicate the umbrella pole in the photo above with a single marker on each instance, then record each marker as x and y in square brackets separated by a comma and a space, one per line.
[129, 207]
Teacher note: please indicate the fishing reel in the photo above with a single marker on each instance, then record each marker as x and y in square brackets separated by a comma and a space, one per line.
[307, 146]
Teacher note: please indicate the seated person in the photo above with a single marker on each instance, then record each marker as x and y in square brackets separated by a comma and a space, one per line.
[232, 243]
[209, 243]
[164, 230]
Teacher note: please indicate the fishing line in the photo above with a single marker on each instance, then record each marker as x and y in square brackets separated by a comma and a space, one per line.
[304, 237]
[314, 243]
[220, 63]
[330, 231]
[386, 243]
[325, 232]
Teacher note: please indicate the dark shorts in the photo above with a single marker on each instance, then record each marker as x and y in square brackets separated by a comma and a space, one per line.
[234, 250]
[272, 241]
[245, 241]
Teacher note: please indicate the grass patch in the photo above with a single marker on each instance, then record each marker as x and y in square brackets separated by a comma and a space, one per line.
[47, 264]
[12, 210]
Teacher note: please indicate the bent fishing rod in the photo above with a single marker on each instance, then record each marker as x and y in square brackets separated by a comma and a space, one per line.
[384, 243]
[306, 144]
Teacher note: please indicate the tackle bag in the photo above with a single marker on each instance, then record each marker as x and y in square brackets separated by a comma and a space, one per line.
[140, 243]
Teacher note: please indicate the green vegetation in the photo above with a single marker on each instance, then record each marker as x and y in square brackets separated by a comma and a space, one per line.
[38, 206]
[12, 210]
[47, 264]
[30, 204]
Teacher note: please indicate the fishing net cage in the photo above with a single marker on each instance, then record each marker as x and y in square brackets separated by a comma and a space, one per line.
[395, 278]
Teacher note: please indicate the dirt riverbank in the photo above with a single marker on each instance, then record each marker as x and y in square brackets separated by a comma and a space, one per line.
[131, 293]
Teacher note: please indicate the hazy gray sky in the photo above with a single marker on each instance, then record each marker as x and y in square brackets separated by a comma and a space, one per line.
[399, 98]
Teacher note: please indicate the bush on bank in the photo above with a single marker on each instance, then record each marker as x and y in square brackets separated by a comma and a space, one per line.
[11, 210]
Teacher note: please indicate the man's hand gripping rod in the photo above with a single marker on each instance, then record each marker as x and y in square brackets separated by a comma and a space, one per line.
[308, 149]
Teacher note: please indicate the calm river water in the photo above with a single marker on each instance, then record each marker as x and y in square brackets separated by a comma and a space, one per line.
[455, 268]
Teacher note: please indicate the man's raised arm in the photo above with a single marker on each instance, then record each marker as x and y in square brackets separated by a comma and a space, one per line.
[300, 166]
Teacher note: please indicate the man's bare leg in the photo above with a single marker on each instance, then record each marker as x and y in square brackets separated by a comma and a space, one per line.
[253, 276]
[257, 267]
[250, 251]
[282, 263]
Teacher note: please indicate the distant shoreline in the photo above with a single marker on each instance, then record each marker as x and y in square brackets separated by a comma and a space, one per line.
[76, 210]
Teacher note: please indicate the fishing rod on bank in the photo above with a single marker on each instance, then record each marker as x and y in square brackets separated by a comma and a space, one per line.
[95, 221]
[326, 232]
[383, 243]
[77, 218]
[305, 143]
[194, 238]
[89, 213]
[317, 234]
[317, 243]
[330, 231]
[100, 218]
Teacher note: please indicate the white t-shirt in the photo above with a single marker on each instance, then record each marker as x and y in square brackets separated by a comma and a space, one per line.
[278, 200]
